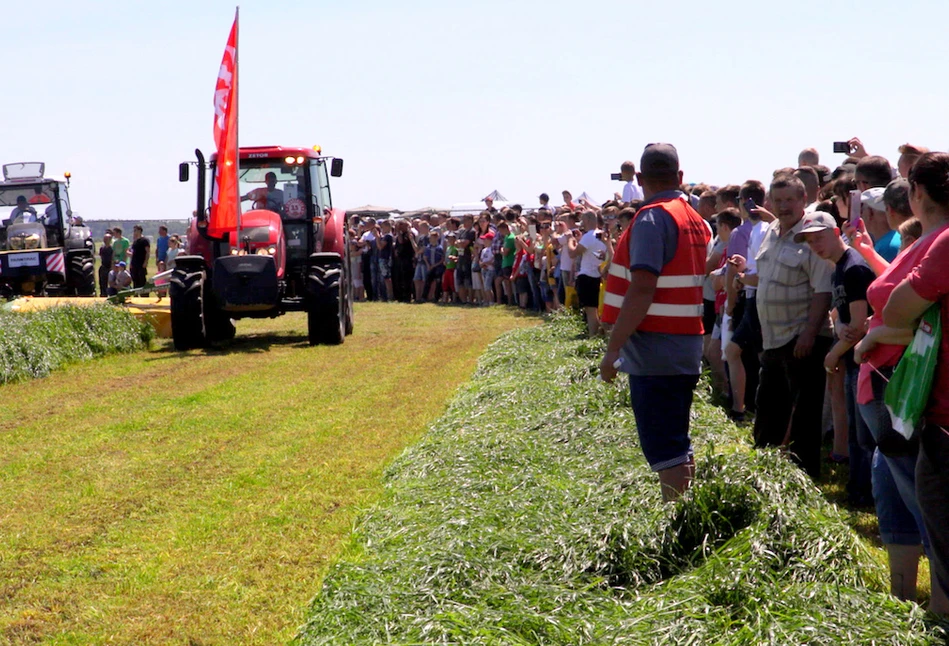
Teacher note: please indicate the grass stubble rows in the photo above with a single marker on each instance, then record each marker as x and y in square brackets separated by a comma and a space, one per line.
[528, 516]
[198, 498]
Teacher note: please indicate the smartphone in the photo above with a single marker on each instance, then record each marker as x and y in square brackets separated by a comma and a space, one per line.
[616, 177]
[855, 208]
[750, 206]
[532, 231]
[842, 147]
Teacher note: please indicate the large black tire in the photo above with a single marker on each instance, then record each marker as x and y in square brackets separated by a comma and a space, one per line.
[186, 292]
[81, 275]
[218, 326]
[325, 312]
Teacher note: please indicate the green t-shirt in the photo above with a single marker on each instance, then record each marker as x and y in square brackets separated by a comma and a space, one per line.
[452, 251]
[508, 260]
[121, 246]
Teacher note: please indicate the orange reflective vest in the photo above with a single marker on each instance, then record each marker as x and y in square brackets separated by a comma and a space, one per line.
[677, 305]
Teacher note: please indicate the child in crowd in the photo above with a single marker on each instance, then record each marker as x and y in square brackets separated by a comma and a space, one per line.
[451, 261]
[433, 257]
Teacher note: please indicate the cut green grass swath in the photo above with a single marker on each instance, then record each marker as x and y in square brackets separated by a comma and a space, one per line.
[33, 344]
[527, 515]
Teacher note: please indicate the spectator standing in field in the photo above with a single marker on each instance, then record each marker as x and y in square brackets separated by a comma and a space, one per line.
[896, 489]
[631, 190]
[367, 245]
[808, 157]
[794, 296]
[174, 248]
[451, 263]
[106, 257]
[850, 280]
[873, 211]
[654, 295]
[466, 236]
[403, 254]
[421, 272]
[384, 244]
[119, 279]
[433, 257]
[591, 250]
[908, 156]
[544, 200]
[120, 244]
[140, 248]
[161, 248]
[508, 252]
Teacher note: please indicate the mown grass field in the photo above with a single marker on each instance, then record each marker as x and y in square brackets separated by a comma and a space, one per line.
[527, 515]
[168, 498]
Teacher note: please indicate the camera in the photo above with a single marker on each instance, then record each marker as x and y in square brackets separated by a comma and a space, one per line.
[842, 147]
[616, 177]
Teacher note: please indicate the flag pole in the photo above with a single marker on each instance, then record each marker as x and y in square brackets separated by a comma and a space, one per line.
[237, 151]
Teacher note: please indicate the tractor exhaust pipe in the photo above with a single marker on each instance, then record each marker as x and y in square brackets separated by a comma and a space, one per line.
[202, 186]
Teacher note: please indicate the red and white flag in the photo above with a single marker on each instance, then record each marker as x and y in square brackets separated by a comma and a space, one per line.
[225, 204]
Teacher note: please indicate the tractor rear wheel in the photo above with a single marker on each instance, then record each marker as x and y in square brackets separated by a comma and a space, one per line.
[325, 313]
[80, 275]
[186, 292]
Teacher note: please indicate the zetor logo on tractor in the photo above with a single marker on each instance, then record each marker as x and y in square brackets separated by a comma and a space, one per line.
[292, 255]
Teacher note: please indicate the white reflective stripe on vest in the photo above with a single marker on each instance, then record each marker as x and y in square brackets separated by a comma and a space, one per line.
[666, 282]
[676, 311]
[612, 300]
[620, 272]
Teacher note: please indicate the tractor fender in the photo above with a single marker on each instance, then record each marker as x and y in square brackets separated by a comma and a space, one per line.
[191, 263]
[323, 258]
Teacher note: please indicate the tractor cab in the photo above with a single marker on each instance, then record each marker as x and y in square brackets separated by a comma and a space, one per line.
[29, 198]
[43, 247]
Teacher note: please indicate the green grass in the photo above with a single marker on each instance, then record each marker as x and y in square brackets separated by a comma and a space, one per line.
[198, 498]
[527, 516]
[33, 344]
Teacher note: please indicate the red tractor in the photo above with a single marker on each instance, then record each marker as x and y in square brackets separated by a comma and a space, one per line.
[292, 255]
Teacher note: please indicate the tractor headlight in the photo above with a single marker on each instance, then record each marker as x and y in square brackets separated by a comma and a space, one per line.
[32, 242]
[261, 252]
[272, 250]
[16, 242]
[233, 252]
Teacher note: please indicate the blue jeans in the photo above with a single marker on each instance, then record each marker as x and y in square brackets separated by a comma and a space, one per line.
[860, 443]
[535, 287]
[894, 480]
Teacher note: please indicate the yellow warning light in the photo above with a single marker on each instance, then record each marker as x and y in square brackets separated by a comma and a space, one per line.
[67, 174]
[318, 149]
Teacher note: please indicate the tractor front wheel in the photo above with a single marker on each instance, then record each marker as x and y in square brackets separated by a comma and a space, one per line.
[186, 292]
[80, 275]
[326, 314]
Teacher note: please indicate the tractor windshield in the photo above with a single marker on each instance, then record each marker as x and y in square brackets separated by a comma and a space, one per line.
[273, 185]
[35, 204]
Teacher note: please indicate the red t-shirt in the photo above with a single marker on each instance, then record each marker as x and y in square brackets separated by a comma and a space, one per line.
[878, 293]
[930, 280]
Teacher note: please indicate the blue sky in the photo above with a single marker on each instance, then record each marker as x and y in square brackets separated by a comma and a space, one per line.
[432, 103]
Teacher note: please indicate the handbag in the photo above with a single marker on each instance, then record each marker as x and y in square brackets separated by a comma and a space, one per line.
[907, 393]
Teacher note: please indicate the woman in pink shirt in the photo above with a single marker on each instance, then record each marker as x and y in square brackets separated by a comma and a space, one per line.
[902, 529]
[928, 283]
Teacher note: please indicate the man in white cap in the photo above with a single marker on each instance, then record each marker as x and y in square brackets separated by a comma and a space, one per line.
[886, 241]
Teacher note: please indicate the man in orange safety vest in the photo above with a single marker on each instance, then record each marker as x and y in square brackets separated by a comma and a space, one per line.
[654, 298]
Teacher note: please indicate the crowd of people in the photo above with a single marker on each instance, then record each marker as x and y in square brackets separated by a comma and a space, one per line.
[123, 263]
[799, 293]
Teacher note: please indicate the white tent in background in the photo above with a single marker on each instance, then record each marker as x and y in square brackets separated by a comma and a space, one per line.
[586, 196]
[477, 207]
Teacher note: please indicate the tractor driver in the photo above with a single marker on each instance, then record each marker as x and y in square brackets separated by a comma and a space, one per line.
[269, 197]
[23, 211]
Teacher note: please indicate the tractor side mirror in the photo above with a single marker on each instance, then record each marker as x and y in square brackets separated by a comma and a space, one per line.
[336, 170]
[183, 172]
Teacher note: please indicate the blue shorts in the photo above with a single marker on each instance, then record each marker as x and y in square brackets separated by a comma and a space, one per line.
[661, 405]
[421, 272]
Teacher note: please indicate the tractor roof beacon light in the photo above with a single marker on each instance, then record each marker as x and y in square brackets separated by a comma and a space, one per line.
[68, 176]
[318, 149]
